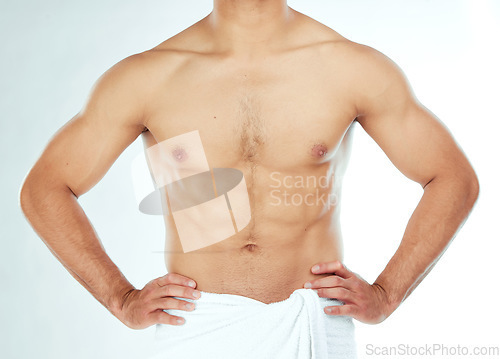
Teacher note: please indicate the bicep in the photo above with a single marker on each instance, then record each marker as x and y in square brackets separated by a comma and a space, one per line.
[413, 138]
[83, 150]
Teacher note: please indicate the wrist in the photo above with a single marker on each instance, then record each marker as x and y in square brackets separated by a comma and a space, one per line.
[389, 302]
[117, 301]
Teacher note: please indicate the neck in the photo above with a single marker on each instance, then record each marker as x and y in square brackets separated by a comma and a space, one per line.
[247, 25]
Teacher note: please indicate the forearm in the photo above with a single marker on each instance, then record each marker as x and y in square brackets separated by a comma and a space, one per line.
[444, 206]
[61, 223]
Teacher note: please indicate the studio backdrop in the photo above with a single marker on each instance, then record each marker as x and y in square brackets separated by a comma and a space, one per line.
[52, 53]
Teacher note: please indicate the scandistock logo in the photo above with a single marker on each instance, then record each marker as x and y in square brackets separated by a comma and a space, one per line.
[287, 190]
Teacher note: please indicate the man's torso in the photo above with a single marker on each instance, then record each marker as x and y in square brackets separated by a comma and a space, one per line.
[283, 118]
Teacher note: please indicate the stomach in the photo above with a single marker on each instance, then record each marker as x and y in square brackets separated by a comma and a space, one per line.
[268, 259]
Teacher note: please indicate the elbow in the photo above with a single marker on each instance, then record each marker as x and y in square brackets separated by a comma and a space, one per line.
[29, 194]
[468, 186]
[37, 191]
[461, 185]
[24, 196]
[472, 188]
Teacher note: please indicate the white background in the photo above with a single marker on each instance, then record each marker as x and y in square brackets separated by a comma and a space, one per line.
[53, 51]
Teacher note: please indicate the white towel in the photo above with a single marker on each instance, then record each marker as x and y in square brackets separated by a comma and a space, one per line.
[228, 326]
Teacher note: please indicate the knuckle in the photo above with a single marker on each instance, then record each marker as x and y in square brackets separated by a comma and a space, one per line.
[175, 303]
[333, 310]
[166, 303]
[143, 313]
[165, 318]
[154, 283]
[356, 284]
[172, 303]
[178, 304]
[159, 316]
[338, 294]
[185, 305]
[169, 290]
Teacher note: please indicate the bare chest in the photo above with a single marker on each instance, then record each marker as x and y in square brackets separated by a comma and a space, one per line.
[272, 119]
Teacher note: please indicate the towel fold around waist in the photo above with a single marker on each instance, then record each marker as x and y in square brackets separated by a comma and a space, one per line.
[229, 326]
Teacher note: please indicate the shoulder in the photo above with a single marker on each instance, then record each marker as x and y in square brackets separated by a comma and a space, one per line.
[376, 83]
[365, 74]
[374, 69]
[145, 70]
[370, 76]
[142, 71]
[362, 63]
[134, 80]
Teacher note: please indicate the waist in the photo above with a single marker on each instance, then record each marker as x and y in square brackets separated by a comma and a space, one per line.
[265, 272]
[261, 289]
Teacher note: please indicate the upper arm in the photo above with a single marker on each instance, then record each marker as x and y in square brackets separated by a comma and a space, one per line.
[81, 152]
[413, 138]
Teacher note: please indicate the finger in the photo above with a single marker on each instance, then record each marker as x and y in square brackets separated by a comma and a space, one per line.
[346, 309]
[332, 267]
[174, 278]
[341, 294]
[173, 290]
[160, 317]
[172, 303]
[327, 282]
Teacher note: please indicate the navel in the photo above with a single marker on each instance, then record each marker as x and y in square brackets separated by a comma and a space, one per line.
[250, 247]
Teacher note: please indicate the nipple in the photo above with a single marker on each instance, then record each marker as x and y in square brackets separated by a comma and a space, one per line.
[319, 150]
[180, 154]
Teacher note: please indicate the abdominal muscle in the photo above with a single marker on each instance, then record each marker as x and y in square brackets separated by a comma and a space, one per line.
[268, 259]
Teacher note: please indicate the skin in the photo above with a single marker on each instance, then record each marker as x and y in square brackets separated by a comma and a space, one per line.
[270, 91]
